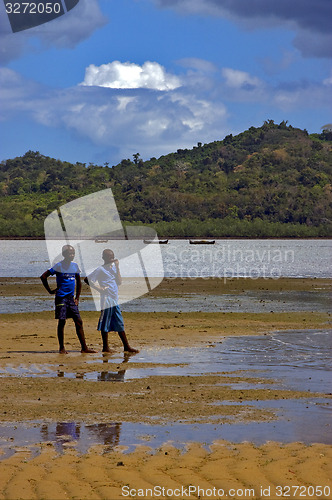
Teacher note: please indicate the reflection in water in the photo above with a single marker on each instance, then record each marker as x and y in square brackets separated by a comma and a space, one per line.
[107, 376]
[112, 377]
[298, 420]
[63, 434]
[107, 434]
[104, 375]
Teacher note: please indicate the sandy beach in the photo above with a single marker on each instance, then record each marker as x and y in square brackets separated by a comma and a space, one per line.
[239, 471]
[40, 385]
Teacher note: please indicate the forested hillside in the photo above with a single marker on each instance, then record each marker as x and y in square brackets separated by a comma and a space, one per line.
[269, 181]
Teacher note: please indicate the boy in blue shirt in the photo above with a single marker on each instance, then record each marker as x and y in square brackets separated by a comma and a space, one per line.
[66, 306]
[106, 279]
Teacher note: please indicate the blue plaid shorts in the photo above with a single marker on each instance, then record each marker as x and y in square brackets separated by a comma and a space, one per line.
[65, 307]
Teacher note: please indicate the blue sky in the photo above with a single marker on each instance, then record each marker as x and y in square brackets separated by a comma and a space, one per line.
[115, 77]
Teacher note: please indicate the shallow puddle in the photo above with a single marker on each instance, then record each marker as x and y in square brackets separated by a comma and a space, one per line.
[298, 420]
[298, 360]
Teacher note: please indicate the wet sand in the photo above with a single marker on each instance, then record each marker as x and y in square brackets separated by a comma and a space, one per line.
[173, 287]
[241, 471]
[28, 342]
[187, 295]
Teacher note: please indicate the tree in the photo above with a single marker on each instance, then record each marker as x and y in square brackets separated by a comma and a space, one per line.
[136, 157]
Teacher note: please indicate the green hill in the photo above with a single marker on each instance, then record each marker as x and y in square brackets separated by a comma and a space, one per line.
[274, 180]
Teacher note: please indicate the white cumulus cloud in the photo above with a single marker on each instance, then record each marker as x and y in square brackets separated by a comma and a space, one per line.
[239, 79]
[126, 120]
[118, 75]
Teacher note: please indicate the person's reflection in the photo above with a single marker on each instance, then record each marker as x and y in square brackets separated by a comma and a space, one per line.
[44, 432]
[65, 432]
[107, 434]
[108, 376]
[111, 377]
[105, 375]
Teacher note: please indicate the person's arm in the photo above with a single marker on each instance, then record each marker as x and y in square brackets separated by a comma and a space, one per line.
[78, 288]
[92, 284]
[43, 278]
[118, 276]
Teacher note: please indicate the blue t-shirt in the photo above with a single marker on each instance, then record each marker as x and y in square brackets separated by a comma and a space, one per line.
[65, 278]
[106, 277]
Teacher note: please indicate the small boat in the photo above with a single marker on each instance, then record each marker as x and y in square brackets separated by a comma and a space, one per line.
[101, 239]
[202, 242]
[160, 242]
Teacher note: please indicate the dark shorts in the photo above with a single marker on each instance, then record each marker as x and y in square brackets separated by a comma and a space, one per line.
[65, 307]
[111, 320]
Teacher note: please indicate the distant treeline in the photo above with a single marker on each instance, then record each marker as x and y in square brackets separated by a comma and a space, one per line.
[271, 181]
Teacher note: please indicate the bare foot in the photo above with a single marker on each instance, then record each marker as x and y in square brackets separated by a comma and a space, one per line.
[88, 351]
[108, 351]
[131, 349]
[63, 351]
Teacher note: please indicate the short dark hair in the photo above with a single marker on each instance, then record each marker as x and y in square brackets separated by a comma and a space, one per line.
[107, 250]
[65, 249]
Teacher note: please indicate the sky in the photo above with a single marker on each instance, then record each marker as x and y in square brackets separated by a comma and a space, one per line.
[112, 78]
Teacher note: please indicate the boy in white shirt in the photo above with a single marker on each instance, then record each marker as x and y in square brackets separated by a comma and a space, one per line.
[106, 280]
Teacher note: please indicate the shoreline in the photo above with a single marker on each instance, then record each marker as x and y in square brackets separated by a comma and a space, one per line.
[15, 238]
[175, 287]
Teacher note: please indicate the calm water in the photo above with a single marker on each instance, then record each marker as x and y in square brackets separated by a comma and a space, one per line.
[298, 360]
[231, 258]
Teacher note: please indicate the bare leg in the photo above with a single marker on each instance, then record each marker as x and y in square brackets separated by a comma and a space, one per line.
[61, 328]
[80, 334]
[126, 346]
[104, 336]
